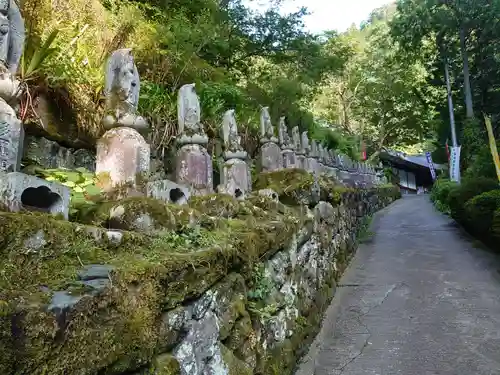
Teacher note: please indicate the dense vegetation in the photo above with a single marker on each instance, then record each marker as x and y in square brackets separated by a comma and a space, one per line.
[380, 84]
[346, 89]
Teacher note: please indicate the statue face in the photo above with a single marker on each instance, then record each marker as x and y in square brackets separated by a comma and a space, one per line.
[4, 7]
[128, 81]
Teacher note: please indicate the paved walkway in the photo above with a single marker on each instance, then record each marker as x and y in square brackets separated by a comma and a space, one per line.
[420, 298]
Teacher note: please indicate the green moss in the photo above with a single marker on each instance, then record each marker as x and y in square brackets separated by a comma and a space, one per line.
[166, 364]
[284, 180]
[220, 205]
[203, 242]
[235, 366]
[293, 186]
[123, 213]
[151, 274]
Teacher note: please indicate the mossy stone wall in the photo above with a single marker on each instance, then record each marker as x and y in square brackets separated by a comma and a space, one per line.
[141, 287]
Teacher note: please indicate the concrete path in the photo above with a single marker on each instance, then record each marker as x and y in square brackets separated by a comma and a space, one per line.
[420, 298]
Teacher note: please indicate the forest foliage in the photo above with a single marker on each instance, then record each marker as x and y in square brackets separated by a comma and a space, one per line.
[238, 58]
[380, 84]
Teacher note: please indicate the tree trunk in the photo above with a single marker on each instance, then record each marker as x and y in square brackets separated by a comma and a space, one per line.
[468, 94]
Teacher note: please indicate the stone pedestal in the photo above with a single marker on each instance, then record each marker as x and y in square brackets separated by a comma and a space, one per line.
[21, 192]
[270, 157]
[194, 169]
[168, 191]
[312, 165]
[122, 159]
[11, 139]
[301, 161]
[289, 159]
[235, 178]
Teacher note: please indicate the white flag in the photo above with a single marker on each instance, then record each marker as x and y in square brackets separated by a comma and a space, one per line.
[431, 165]
[455, 164]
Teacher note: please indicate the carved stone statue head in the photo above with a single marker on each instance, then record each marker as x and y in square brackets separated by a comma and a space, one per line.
[12, 35]
[188, 109]
[283, 136]
[230, 132]
[304, 142]
[314, 149]
[296, 139]
[266, 127]
[122, 79]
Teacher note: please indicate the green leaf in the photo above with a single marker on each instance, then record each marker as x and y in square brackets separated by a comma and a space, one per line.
[83, 170]
[69, 184]
[41, 53]
[93, 190]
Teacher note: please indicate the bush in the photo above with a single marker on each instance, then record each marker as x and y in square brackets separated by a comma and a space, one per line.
[480, 213]
[468, 189]
[440, 194]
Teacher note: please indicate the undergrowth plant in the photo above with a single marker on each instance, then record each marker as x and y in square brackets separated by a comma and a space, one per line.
[81, 182]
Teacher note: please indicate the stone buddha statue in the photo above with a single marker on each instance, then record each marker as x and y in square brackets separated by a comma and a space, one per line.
[12, 35]
[122, 88]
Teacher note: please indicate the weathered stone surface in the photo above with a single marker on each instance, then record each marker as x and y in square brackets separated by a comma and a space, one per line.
[12, 41]
[270, 157]
[248, 304]
[21, 192]
[189, 117]
[194, 169]
[290, 159]
[122, 159]
[122, 88]
[11, 139]
[168, 191]
[48, 154]
[235, 179]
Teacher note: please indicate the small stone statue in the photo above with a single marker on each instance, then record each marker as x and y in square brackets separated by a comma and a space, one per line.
[296, 139]
[321, 153]
[314, 149]
[284, 137]
[266, 127]
[230, 133]
[122, 88]
[12, 36]
[305, 142]
[341, 161]
[189, 111]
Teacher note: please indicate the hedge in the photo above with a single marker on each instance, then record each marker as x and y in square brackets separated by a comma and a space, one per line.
[468, 189]
[480, 213]
[475, 204]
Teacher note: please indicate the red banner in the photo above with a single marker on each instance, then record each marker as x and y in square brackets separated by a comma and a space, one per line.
[363, 152]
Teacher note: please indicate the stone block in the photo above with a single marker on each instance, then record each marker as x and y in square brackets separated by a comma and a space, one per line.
[168, 191]
[289, 159]
[21, 192]
[194, 169]
[11, 139]
[270, 157]
[122, 159]
[301, 162]
[235, 178]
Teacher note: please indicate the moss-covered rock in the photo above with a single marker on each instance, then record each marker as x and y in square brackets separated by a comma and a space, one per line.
[230, 301]
[165, 365]
[234, 365]
[65, 303]
[293, 186]
[242, 340]
[140, 214]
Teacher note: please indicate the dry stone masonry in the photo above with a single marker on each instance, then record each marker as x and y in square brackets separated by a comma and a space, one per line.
[165, 277]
